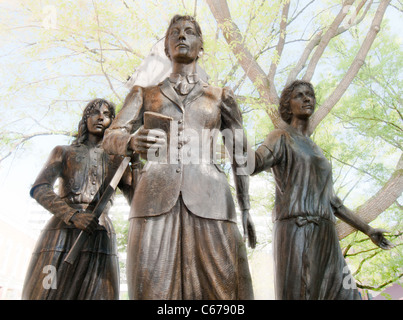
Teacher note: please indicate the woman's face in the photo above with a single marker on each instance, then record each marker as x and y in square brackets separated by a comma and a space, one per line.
[184, 44]
[99, 120]
[302, 102]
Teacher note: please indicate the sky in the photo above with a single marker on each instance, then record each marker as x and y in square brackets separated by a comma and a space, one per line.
[18, 171]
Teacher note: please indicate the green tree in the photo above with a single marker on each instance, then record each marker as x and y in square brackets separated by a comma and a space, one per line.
[372, 113]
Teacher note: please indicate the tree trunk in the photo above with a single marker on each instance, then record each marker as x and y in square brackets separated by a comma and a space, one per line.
[255, 73]
[377, 204]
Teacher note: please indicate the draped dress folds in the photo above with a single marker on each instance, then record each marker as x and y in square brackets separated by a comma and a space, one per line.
[184, 241]
[95, 275]
[308, 260]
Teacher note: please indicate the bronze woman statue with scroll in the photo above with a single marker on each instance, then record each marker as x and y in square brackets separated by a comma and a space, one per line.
[308, 261]
[184, 242]
[82, 169]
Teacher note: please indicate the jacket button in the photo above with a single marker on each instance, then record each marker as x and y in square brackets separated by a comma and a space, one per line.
[178, 170]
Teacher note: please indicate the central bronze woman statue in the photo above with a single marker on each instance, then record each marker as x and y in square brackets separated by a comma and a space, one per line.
[308, 261]
[184, 242]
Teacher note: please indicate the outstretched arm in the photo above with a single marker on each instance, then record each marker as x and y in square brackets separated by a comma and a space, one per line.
[376, 235]
[271, 151]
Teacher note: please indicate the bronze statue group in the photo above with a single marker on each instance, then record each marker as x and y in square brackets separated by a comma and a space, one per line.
[183, 240]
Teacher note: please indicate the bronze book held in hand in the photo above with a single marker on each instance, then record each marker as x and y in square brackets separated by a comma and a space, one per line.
[155, 120]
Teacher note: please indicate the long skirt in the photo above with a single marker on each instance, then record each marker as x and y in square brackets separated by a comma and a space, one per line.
[309, 264]
[94, 275]
[180, 256]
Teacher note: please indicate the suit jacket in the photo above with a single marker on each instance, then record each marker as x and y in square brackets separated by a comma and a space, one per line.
[190, 169]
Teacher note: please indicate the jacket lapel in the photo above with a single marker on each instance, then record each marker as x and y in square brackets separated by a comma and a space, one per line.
[194, 94]
[168, 91]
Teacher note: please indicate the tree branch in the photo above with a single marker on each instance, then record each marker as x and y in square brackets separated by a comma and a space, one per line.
[279, 50]
[377, 204]
[365, 260]
[330, 33]
[304, 57]
[380, 286]
[316, 39]
[25, 138]
[101, 60]
[255, 73]
[358, 61]
[302, 10]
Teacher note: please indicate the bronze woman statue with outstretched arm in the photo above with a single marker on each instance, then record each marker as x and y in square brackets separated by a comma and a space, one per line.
[82, 169]
[308, 260]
